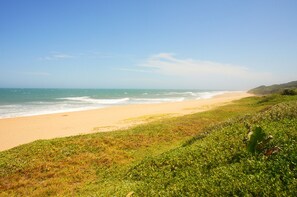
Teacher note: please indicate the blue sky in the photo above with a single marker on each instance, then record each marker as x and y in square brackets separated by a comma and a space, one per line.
[222, 44]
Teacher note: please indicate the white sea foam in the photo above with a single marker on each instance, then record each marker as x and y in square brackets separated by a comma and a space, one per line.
[181, 93]
[198, 95]
[208, 95]
[39, 108]
[157, 100]
[69, 104]
[87, 99]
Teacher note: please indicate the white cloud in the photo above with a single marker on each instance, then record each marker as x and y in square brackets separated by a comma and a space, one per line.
[168, 64]
[190, 73]
[54, 55]
[57, 56]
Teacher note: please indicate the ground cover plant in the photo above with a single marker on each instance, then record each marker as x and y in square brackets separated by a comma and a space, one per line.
[220, 163]
[204, 153]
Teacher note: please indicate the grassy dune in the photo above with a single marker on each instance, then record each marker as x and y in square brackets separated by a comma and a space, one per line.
[203, 153]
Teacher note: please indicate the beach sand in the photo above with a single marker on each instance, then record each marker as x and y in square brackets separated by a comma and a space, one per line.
[21, 130]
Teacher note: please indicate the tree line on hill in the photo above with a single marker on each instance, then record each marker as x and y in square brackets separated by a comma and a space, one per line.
[284, 89]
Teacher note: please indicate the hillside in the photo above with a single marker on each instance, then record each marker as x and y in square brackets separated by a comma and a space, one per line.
[203, 153]
[217, 162]
[273, 89]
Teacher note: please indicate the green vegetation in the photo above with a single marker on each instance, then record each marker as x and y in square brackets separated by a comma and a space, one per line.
[257, 137]
[289, 92]
[285, 89]
[224, 151]
[220, 164]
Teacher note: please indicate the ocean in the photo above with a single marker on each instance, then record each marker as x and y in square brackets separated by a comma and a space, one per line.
[29, 102]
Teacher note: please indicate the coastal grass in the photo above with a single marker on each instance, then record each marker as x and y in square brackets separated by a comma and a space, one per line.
[218, 162]
[195, 154]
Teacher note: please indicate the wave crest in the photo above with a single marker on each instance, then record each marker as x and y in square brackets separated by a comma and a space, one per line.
[86, 99]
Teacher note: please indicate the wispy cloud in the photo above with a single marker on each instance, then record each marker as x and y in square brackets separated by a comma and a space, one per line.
[168, 64]
[191, 73]
[57, 56]
[85, 55]
[105, 55]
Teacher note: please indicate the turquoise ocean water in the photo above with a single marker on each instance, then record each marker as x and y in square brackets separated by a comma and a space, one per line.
[28, 102]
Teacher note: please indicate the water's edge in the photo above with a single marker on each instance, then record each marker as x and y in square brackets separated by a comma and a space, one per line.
[29, 102]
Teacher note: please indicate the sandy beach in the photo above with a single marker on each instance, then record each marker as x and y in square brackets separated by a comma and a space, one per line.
[21, 130]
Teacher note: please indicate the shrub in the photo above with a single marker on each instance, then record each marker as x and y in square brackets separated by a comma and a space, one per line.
[289, 92]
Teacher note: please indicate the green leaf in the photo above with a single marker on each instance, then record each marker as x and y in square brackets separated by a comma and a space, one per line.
[257, 136]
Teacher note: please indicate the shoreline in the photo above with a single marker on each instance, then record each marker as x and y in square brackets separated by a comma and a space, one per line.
[22, 130]
[106, 102]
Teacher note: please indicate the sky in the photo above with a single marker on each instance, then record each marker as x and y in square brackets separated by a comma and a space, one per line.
[176, 44]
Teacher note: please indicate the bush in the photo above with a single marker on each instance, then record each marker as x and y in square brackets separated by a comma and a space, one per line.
[289, 92]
